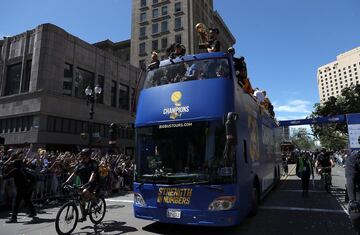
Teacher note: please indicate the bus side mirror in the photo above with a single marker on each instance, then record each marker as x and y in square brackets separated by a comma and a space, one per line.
[230, 125]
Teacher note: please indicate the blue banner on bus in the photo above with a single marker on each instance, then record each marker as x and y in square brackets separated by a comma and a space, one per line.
[187, 101]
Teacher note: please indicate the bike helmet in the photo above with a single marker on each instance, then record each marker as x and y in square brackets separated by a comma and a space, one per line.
[86, 152]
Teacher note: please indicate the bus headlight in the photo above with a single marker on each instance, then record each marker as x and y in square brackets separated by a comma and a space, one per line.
[222, 203]
[139, 200]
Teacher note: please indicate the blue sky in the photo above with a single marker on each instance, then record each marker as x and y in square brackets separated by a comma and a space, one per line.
[283, 41]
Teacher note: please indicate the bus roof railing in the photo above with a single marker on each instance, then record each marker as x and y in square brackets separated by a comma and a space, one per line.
[191, 57]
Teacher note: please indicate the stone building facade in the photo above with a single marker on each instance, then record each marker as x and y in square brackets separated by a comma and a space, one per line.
[156, 24]
[43, 75]
[341, 73]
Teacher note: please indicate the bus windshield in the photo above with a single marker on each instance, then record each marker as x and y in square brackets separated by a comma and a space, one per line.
[183, 153]
[188, 71]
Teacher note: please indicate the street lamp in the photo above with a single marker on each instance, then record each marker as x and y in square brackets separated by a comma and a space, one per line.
[91, 95]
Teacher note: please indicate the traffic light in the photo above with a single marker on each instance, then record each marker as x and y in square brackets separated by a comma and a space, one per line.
[113, 133]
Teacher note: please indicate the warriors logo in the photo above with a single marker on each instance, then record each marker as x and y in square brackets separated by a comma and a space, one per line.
[176, 111]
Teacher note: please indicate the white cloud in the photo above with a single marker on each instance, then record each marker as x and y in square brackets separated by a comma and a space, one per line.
[294, 106]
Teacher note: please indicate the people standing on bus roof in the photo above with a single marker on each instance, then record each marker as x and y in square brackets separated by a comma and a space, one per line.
[176, 50]
[241, 71]
[259, 95]
[271, 110]
[266, 102]
[155, 62]
[247, 86]
[213, 43]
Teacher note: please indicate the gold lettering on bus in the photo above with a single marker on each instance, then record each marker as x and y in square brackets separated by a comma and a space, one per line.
[180, 196]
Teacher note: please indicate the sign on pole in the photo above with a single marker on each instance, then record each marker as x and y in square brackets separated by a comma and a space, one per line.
[354, 130]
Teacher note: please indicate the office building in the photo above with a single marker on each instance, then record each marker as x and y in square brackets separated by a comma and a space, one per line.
[43, 75]
[156, 24]
[341, 73]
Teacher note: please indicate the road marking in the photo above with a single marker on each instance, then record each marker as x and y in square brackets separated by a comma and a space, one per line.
[119, 200]
[301, 209]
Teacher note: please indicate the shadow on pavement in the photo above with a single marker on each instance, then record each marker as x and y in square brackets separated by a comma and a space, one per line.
[108, 227]
[112, 207]
[37, 220]
[284, 211]
[174, 229]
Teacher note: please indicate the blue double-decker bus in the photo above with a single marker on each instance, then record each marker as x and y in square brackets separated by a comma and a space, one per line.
[206, 152]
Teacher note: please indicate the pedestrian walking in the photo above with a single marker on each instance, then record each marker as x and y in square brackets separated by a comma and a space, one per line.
[24, 187]
[304, 169]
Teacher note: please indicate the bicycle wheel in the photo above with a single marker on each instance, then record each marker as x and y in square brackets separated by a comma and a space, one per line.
[66, 218]
[97, 210]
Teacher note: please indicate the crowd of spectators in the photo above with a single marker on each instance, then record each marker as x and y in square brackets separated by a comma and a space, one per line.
[53, 167]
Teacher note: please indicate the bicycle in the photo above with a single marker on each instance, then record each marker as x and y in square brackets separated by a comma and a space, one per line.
[326, 176]
[68, 214]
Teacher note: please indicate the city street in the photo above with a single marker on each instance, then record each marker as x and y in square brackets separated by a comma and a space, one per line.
[283, 211]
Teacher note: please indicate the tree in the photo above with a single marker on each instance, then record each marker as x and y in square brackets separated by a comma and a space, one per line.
[335, 136]
[301, 139]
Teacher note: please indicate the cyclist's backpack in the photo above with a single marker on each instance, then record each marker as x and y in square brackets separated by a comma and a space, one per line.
[30, 175]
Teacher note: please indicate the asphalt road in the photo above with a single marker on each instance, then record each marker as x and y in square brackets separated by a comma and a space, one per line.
[283, 211]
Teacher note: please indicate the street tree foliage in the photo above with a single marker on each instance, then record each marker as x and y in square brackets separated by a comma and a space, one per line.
[335, 136]
[301, 139]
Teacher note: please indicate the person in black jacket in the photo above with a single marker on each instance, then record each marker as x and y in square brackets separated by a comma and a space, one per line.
[23, 189]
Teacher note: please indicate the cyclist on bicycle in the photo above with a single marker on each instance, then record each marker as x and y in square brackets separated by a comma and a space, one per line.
[88, 171]
[324, 163]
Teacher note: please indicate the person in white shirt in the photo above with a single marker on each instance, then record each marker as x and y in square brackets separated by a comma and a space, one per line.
[259, 95]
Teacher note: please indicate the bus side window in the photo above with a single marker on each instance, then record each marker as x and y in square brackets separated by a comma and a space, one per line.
[245, 152]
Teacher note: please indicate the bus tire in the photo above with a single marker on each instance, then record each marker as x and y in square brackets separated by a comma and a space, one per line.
[255, 199]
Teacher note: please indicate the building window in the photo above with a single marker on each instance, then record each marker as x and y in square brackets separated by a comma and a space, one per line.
[155, 28]
[164, 26]
[100, 82]
[155, 13]
[178, 38]
[177, 6]
[155, 1]
[164, 10]
[13, 78]
[113, 94]
[143, 31]
[163, 43]
[155, 45]
[142, 48]
[178, 23]
[68, 79]
[123, 96]
[26, 82]
[143, 17]
[143, 3]
[83, 79]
